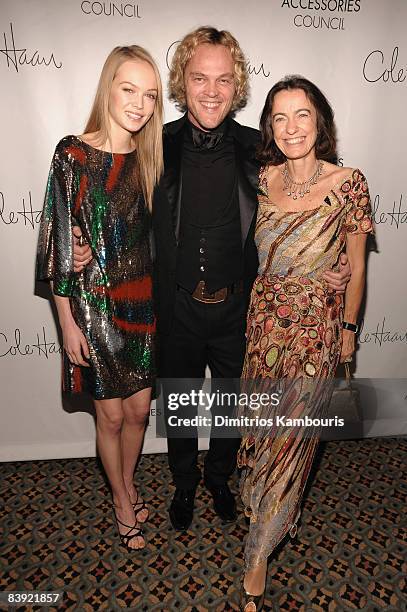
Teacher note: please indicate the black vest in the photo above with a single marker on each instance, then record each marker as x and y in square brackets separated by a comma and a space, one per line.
[210, 238]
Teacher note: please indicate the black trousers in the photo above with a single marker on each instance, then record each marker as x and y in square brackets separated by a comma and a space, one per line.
[201, 335]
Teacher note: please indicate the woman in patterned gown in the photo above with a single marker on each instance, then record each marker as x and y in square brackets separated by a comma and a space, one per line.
[310, 211]
[102, 181]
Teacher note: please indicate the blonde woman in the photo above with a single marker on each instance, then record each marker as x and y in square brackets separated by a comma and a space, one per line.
[103, 181]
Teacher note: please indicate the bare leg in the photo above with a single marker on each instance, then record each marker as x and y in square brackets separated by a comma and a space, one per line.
[109, 420]
[255, 579]
[136, 410]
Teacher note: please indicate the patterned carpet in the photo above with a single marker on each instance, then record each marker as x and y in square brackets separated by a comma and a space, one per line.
[349, 553]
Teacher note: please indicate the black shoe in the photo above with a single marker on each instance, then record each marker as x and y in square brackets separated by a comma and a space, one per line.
[133, 531]
[182, 509]
[223, 502]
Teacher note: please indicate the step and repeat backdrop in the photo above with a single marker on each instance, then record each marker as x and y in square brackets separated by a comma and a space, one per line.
[51, 54]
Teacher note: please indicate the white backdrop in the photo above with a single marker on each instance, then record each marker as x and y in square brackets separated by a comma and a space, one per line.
[51, 56]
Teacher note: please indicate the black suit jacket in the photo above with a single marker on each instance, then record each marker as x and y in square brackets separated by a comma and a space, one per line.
[167, 208]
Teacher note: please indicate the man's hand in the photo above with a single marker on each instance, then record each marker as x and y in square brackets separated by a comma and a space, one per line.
[338, 280]
[82, 255]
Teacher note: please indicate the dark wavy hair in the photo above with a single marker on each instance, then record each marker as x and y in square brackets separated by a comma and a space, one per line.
[325, 145]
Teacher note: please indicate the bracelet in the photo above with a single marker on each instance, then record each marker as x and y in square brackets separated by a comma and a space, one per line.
[351, 327]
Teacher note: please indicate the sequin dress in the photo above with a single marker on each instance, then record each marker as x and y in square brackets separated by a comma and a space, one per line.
[111, 300]
[294, 337]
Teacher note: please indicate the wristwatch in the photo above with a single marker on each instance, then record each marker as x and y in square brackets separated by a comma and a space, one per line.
[351, 327]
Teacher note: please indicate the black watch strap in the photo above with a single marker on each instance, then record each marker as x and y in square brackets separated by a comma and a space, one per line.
[351, 327]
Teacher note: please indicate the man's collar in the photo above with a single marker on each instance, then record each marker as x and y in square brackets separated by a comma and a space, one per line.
[173, 129]
[222, 128]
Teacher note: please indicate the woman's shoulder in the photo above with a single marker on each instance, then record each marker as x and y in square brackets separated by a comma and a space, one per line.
[335, 173]
[344, 178]
[270, 171]
[67, 141]
[71, 148]
[352, 188]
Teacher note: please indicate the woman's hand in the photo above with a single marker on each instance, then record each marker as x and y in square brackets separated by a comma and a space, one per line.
[348, 345]
[75, 344]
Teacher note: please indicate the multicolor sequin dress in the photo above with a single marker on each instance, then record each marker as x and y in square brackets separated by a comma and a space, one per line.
[111, 300]
[294, 337]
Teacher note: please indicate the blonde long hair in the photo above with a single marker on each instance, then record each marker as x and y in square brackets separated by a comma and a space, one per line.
[148, 141]
[186, 49]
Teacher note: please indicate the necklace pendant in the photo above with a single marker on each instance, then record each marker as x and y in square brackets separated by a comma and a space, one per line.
[296, 190]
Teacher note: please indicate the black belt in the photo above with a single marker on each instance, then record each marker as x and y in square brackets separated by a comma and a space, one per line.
[201, 294]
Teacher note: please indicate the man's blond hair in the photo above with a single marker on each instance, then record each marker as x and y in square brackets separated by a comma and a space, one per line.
[186, 49]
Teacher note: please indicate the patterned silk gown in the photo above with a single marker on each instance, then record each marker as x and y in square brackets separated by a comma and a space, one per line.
[294, 337]
[111, 300]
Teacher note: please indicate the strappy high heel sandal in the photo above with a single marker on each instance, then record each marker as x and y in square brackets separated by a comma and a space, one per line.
[294, 526]
[133, 532]
[247, 598]
[138, 507]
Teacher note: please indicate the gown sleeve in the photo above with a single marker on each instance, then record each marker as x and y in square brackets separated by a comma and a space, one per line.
[359, 210]
[55, 249]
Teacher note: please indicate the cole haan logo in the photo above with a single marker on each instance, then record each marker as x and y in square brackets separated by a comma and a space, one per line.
[393, 215]
[26, 214]
[17, 57]
[377, 67]
[14, 344]
[382, 334]
[255, 69]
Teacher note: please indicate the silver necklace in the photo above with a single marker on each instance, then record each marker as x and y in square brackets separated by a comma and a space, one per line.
[299, 189]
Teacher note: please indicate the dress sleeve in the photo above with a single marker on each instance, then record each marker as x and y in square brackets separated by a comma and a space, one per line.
[54, 252]
[359, 210]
